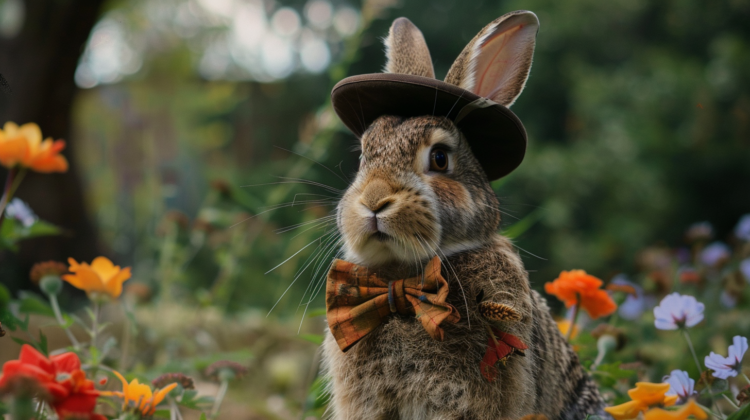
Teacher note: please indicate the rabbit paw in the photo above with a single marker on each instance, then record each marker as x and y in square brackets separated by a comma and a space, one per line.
[498, 312]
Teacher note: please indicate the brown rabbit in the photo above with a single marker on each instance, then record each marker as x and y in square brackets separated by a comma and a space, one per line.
[422, 192]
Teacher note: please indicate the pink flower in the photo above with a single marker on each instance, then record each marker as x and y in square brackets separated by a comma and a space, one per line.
[678, 311]
[730, 366]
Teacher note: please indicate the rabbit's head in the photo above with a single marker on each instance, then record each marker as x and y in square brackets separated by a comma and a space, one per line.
[420, 191]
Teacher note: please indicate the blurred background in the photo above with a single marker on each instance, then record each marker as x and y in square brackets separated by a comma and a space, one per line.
[193, 128]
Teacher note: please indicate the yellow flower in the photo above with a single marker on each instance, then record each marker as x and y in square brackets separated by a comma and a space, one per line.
[100, 278]
[144, 399]
[564, 325]
[691, 408]
[644, 395]
[24, 146]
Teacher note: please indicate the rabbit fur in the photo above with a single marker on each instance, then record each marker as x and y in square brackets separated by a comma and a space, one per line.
[398, 371]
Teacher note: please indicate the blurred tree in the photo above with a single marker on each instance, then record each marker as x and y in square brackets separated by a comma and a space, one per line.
[38, 58]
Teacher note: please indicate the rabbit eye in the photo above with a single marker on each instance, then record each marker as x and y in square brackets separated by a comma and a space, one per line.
[438, 160]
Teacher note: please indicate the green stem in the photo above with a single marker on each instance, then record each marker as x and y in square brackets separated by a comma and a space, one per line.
[698, 365]
[730, 401]
[95, 324]
[746, 378]
[576, 311]
[61, 321]
[219, 398]
[7, 192]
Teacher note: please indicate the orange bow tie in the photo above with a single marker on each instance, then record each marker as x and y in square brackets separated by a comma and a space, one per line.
[358, 301]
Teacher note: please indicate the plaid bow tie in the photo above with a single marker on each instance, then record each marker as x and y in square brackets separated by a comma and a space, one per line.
[358, 301]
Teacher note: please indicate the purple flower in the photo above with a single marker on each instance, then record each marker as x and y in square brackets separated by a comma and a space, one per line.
[715, 253]
[20, 211]
[680, 384]
[730, 366]
[678, 311]
[728, 300]
[742, 230]
[745, 268]
[633, 306]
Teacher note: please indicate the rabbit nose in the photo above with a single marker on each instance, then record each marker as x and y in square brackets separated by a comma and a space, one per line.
[376, 196]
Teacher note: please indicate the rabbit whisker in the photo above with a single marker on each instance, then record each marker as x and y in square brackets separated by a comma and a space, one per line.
[299, 273]
[314, 161]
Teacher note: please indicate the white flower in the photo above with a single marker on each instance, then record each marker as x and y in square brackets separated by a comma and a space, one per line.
[680, 384]
[20, 211]
[677, 311]
[715, 253]
[730, 366]
[742, 230]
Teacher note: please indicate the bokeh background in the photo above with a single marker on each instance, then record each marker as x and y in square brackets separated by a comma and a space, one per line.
[194, 128]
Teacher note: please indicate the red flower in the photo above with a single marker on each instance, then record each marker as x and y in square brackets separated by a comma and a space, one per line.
[70, 393]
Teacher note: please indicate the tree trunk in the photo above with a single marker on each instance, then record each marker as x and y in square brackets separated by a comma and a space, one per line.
[39, 63]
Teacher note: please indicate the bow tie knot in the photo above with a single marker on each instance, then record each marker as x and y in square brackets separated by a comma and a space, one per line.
[358, 301]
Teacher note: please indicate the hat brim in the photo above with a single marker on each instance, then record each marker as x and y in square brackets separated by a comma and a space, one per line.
[495, 134]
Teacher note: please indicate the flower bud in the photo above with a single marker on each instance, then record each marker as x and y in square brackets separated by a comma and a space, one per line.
[51, 285]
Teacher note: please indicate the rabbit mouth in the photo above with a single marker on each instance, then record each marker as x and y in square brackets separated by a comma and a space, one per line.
[381, 237]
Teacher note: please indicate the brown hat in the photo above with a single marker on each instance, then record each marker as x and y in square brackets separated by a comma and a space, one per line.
[484, 80]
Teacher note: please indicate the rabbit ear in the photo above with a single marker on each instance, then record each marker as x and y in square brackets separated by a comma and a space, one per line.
[497, 61]
[407, 51]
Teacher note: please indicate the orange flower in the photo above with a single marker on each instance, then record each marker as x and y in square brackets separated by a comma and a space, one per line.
[575, 285]
[644, 395]
[144, 399]
[100, 278]
[691, 408]
[24, 146]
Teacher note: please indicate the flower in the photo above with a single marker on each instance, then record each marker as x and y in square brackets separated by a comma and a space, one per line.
[742, 230]
[680, 384]
[225, 369]
[100, 278]
[47, 268]
[564, 325]
[678, 311]
[576, 285]
[168, 378]
[715, 253]
[144, 399]
[24, 146]
[745, 268]
[730, 366]
[21, 211]
[701, 231]
[65, 384]
[691, 408]
[634, 304]
[643, 396]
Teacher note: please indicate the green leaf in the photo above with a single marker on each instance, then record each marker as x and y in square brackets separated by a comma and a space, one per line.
[518, 228]
[43, 343]
[741, 414]
[21, 341]
[31, 304]
[608, 374]
[313, 338]
[4, 296]
[203, 416]
[8, 320]
[162, 414]
[42, 228]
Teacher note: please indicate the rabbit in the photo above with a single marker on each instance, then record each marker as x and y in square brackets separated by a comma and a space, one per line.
[420, 193]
